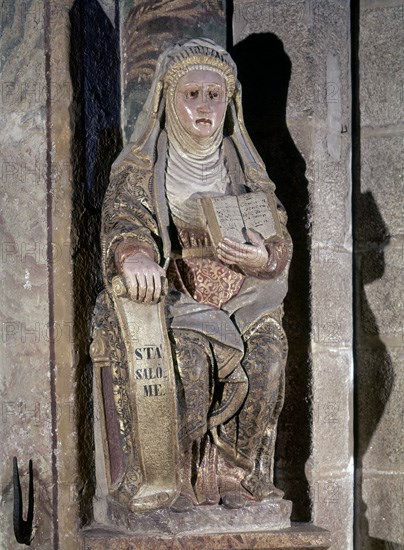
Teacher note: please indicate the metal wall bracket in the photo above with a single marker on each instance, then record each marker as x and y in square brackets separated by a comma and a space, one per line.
[23, 528]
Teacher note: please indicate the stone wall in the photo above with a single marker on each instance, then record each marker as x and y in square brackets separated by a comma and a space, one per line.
[37, 366]
[26, 422]
[379, 289]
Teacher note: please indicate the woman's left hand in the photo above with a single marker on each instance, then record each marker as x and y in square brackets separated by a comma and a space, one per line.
[250, 257]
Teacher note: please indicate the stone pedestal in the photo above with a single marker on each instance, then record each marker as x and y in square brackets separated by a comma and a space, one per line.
[261, 516]
[240, 535]
[261, 526]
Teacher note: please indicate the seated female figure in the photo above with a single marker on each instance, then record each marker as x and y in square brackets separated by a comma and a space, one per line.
[223, 304]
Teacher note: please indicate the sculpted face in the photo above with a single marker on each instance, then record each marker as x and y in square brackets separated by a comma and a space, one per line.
[200, 102]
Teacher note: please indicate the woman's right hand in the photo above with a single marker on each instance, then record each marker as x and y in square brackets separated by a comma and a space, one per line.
[143, 277]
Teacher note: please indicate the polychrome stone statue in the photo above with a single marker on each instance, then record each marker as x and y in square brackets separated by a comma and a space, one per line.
[188, 347]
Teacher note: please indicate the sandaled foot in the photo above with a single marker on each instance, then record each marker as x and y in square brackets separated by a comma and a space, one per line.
[261, 489]
[236, 499]
[182, 503]
[275, 494]
[152, 501]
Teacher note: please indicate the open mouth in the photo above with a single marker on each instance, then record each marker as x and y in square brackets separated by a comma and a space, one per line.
[204, 121]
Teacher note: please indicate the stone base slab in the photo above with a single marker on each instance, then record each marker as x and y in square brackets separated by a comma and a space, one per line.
[258, 516]
[261, 526]
[298, 536]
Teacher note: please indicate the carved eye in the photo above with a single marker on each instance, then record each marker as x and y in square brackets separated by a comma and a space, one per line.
[192, 94]
[214, 94]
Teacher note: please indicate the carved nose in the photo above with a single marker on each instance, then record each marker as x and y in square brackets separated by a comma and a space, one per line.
[205, 107]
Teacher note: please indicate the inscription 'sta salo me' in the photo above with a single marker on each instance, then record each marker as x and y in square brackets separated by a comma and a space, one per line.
[150, 353]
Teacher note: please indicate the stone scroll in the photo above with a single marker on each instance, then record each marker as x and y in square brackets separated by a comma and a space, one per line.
[153, 396]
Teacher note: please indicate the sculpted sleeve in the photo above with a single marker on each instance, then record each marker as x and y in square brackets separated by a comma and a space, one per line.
[128, 216]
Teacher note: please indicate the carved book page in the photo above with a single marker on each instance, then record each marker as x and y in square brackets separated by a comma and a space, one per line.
[223, 218]
[229, 216]
[257, 213]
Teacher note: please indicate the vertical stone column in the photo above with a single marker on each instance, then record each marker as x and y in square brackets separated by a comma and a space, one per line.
[379, 235]
[308, 42]
[59, 214]
[37, 365]
[331, 468]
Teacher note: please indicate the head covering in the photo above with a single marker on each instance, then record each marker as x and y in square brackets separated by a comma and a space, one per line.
[199, 54]
[174, 62]
[195, 55]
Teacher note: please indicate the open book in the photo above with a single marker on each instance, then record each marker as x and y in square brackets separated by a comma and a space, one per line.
[231, 215]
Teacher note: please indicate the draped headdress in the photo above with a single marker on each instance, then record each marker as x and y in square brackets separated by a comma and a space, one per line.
[173, 63]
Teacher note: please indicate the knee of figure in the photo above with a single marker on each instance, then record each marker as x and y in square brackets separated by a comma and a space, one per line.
[190, 341]
[192, 353]
[276, 366]
[266, 366]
